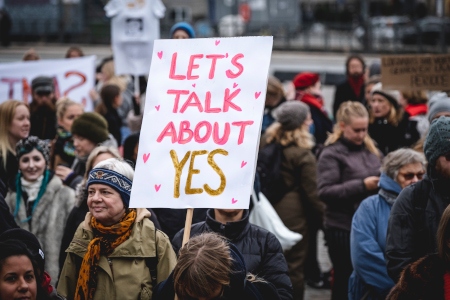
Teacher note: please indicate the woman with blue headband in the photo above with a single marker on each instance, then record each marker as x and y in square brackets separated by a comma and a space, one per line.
[39, 202]
[116, 252]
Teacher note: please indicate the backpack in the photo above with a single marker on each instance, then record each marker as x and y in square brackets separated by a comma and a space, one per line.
[269, 167]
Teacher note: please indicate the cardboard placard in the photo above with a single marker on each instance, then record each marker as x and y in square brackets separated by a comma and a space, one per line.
[416, 72]
[72, 77]
[202, 119]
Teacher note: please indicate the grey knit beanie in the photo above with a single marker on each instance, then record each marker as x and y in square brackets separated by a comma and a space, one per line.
[439, 102]
[291, 114]
[437, 142]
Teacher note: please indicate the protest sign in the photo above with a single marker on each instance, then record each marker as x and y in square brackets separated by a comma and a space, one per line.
[134, 27]
[202, 119]
[416, 72]
[73, 78]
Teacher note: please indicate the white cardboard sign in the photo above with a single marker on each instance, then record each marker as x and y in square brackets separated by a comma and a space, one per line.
[202, 119]
[73, 77]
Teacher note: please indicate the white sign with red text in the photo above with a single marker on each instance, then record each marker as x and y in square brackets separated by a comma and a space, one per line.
[73, 78]
[202, 119]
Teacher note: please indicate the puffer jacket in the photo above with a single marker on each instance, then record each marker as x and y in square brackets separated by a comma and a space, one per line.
[368, 243]
[412, 234]
[47, 220]
[126, 275]
[342, 167]
[261, 250]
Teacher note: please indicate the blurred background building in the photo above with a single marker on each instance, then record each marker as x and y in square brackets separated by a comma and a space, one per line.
[319, 25]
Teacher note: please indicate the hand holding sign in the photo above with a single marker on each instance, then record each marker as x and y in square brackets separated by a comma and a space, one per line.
[202, 125]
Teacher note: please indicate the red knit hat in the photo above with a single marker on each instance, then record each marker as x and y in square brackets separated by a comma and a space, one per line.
[304, 80]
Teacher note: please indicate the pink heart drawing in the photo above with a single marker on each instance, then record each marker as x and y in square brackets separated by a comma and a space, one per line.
[217, 42]
[160, 53]
[243, 163]
[257, 94]
[193, 84]
[157, 187]
[145, 157]
[233, 201]
[157, 107]
[235, 85]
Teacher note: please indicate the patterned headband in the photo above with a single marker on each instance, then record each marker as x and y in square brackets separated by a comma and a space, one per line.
[117, 181]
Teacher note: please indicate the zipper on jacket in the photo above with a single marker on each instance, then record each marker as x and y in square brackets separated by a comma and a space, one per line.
[110, 266]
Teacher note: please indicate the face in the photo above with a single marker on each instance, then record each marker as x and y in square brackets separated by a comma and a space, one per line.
[444, 113]
[180, 34]
[101, 157]
[367, 90]
[20, 125]
[355, 67]
[32, 165]
[74, 53]
[409, 174]
[380, 106]
[72, 112]
[308, 121]
[443, 166]
[43, 98]
[17, 279]
[105, 204]
[315, 89]
[118, 101]
[356, 130]
[83, 146]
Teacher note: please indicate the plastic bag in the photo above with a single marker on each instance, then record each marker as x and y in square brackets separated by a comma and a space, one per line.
[264, 215]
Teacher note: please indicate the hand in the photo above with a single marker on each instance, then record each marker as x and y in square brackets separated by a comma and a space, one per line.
[63, 172]
[93, 94]
[371, 182]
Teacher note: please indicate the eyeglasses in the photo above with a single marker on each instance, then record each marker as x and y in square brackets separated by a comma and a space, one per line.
[410, 176]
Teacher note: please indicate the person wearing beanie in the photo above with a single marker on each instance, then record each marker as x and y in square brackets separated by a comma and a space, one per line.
[352, 89]
[308, 90]
[89, 130]
[439, 106]
[42, 108]
[39, 201]
[300, 206]
[182, 30]
[388, 124]
[418, 209]
[114, 234]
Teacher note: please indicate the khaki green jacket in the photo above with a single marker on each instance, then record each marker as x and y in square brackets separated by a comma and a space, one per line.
[124, 274]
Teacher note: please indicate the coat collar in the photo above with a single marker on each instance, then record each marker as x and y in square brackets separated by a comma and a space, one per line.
[231, 230]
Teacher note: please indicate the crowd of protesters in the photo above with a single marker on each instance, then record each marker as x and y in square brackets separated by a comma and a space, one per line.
[373, 175]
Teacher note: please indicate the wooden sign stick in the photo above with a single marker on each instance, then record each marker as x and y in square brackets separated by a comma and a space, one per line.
[187, 229]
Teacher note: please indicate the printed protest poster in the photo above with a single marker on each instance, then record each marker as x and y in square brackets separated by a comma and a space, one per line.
[202, 119]
[73, 78]
[134, 27]
[416, 72]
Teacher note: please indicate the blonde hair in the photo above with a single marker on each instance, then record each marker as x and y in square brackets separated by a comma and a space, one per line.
[204, 265]
[7, 112]
[394, 116]
[63, 104]
[108, 69]
[345, 113]
[299, 136]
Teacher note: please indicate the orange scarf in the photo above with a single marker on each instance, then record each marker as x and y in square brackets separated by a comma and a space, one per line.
[106, 239]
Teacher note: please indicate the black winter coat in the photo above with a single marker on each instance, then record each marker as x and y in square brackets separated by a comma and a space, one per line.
[389, 137]
[8, 175]
[412, 234]
[43, 122]
[261, 250]
[344, 92]
[114, 124]
[6, 219]
[173, 220]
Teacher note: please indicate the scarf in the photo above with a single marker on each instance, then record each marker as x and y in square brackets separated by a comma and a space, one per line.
[31, 188]
[106, 239]
[40, 193]
[416, 109]
[356, 83]
[447, 286]
[311, 100]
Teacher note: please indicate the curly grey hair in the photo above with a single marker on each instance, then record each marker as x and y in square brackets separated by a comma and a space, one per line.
[395, 160]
